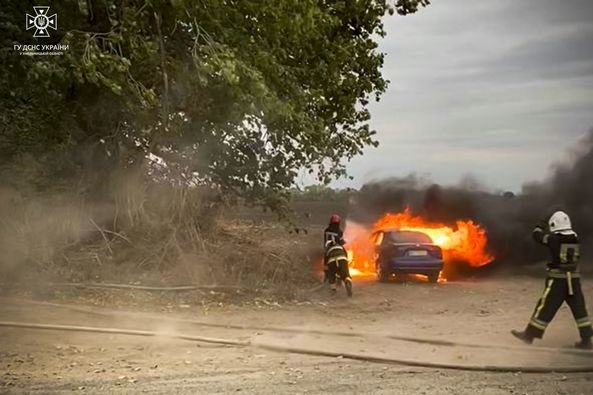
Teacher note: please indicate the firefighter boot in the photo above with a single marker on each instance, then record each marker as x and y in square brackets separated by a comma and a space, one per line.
[348, 284]
[585, 344]
[523, 336]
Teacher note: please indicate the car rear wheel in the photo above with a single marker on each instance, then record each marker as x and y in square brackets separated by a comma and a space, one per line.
[434, 277]
[382, 275]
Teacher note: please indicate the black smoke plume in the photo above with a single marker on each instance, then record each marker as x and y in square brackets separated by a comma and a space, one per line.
[508, 218]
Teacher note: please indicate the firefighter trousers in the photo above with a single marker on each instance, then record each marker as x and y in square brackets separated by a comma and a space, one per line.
[337, 268]
[556, 292]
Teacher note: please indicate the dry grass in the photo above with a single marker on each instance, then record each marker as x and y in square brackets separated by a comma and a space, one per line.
[150, 233]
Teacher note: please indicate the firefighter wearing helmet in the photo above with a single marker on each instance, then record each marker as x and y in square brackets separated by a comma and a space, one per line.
[562, 282]
[333, 233]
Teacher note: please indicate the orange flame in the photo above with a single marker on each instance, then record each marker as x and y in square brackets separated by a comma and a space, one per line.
[465, 242]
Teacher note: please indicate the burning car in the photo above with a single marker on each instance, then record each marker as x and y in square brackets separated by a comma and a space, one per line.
[406, 252]
[407, 243]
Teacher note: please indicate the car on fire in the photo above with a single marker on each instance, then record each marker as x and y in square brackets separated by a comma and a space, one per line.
[402, 252]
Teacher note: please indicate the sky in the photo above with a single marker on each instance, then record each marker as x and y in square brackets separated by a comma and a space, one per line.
[499, 89]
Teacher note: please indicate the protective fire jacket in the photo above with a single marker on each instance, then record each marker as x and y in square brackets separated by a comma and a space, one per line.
[564, 250]
[332, 233]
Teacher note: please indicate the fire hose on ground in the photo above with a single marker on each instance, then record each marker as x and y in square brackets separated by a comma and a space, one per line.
[434, 342]
[300, 350]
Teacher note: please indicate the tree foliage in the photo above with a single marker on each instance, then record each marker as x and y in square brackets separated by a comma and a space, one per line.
[243, 93]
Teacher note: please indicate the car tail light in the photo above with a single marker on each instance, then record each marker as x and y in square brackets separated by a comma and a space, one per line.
[399, 251]
[394, 251]
[436, 252]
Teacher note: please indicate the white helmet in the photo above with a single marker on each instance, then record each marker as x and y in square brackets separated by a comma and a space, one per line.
[560, 223]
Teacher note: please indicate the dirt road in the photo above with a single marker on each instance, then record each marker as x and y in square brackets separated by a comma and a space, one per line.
[480, 312]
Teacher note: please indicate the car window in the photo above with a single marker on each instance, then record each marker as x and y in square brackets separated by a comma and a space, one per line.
[405, 236]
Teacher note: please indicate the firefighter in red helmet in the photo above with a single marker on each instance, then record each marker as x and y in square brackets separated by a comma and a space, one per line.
[332, 234]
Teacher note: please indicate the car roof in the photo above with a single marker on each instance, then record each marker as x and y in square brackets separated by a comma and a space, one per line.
[414, 232]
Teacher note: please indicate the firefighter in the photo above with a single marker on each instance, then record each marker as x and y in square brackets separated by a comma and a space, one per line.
[562, 282]
[337, 265]
[332, 233]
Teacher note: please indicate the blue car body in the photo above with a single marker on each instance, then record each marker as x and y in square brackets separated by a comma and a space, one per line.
[406, 252]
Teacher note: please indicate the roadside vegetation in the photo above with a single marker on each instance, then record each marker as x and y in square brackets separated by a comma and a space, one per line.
[125, 151]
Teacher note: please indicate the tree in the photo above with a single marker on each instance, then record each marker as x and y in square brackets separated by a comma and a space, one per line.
[242, 93]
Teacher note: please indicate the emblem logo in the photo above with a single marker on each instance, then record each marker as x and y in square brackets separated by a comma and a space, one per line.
[41, 21]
